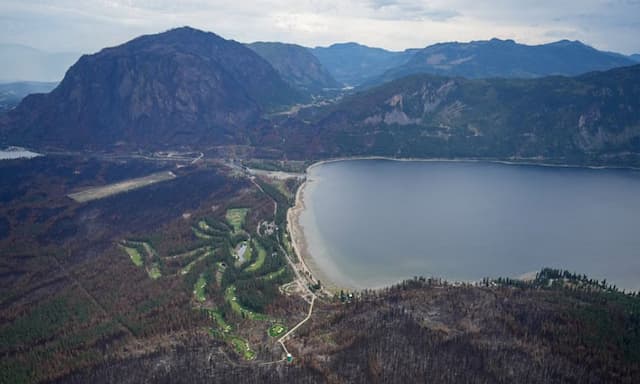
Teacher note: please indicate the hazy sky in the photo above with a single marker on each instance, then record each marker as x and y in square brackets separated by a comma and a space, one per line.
[88, 25]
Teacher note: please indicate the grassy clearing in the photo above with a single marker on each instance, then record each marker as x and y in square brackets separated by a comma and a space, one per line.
[277, 330]
[149, 249]
[154, 272]
[204, 226]
[201, 235]
[236, 218]
[198, 290]
[189, 266]
[190, 253]
[280, 185]
[274, 275]
[97, 193]
[248, 253]
[219, 319]
[242, 347]
[262, 255]
[135, 256]
[230, 296]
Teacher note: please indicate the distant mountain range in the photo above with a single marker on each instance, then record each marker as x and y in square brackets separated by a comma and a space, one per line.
[356, 64]
[353, 63]
[179, 87]
[506, 58]
[192, 89]
[299, 67]
[592, 118]
[12, 93]
[21, 63]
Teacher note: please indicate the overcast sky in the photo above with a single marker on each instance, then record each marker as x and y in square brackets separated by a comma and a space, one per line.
[88, 25]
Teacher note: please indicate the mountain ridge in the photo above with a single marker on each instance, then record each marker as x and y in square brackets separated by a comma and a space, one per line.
[589, 119]
[172, 88]
[352, 63]
[296, 65]
[505, 58]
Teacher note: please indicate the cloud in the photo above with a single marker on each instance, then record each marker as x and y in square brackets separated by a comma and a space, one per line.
[409, 10]
[70, 25]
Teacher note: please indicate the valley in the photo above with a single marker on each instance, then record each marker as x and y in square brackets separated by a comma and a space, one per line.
[185, 216]
[177, 248]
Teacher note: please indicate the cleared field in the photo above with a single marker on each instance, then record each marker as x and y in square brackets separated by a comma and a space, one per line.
[198, 290]
[217, 316]
[204, 226]
[230, 296]
[154, 272]
[190, 253]
[186, 269]
[262, 255]
[142, 257]
[236, 217]
[201, 235]
[276, 330]
[275, 274]
[135, 256]
[242, 347]
[123, 186]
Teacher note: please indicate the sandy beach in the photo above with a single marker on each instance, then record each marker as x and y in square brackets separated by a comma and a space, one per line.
[299, 242]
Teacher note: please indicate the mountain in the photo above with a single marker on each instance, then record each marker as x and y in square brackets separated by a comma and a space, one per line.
[353, 63]
[635, 57]
[12, 93]
[188, 88]
[593, 118]
[506, 58]
[22, 63]
[182, 86]
[296, 65]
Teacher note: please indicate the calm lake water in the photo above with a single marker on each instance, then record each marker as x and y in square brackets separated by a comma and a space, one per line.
[370, 223]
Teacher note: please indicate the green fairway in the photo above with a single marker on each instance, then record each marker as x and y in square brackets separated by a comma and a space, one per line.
[222, 324]
[248, 254]
[154, 271]
[275, 274]
[242, 347]
[190, 253]
[187, 268]
[276, 330]
[230, 296]
[236, 217]
[135, 256]
[204, 226]
[198, 290]
[262, 255]
[201, 235]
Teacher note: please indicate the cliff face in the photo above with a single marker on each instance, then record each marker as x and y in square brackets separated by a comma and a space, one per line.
[183, 86]
[296, 65]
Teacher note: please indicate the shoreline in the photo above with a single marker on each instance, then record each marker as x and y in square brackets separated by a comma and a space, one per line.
[471, 160]
[299, 241]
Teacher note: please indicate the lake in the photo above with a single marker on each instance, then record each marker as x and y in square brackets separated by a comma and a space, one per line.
[371, 223]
